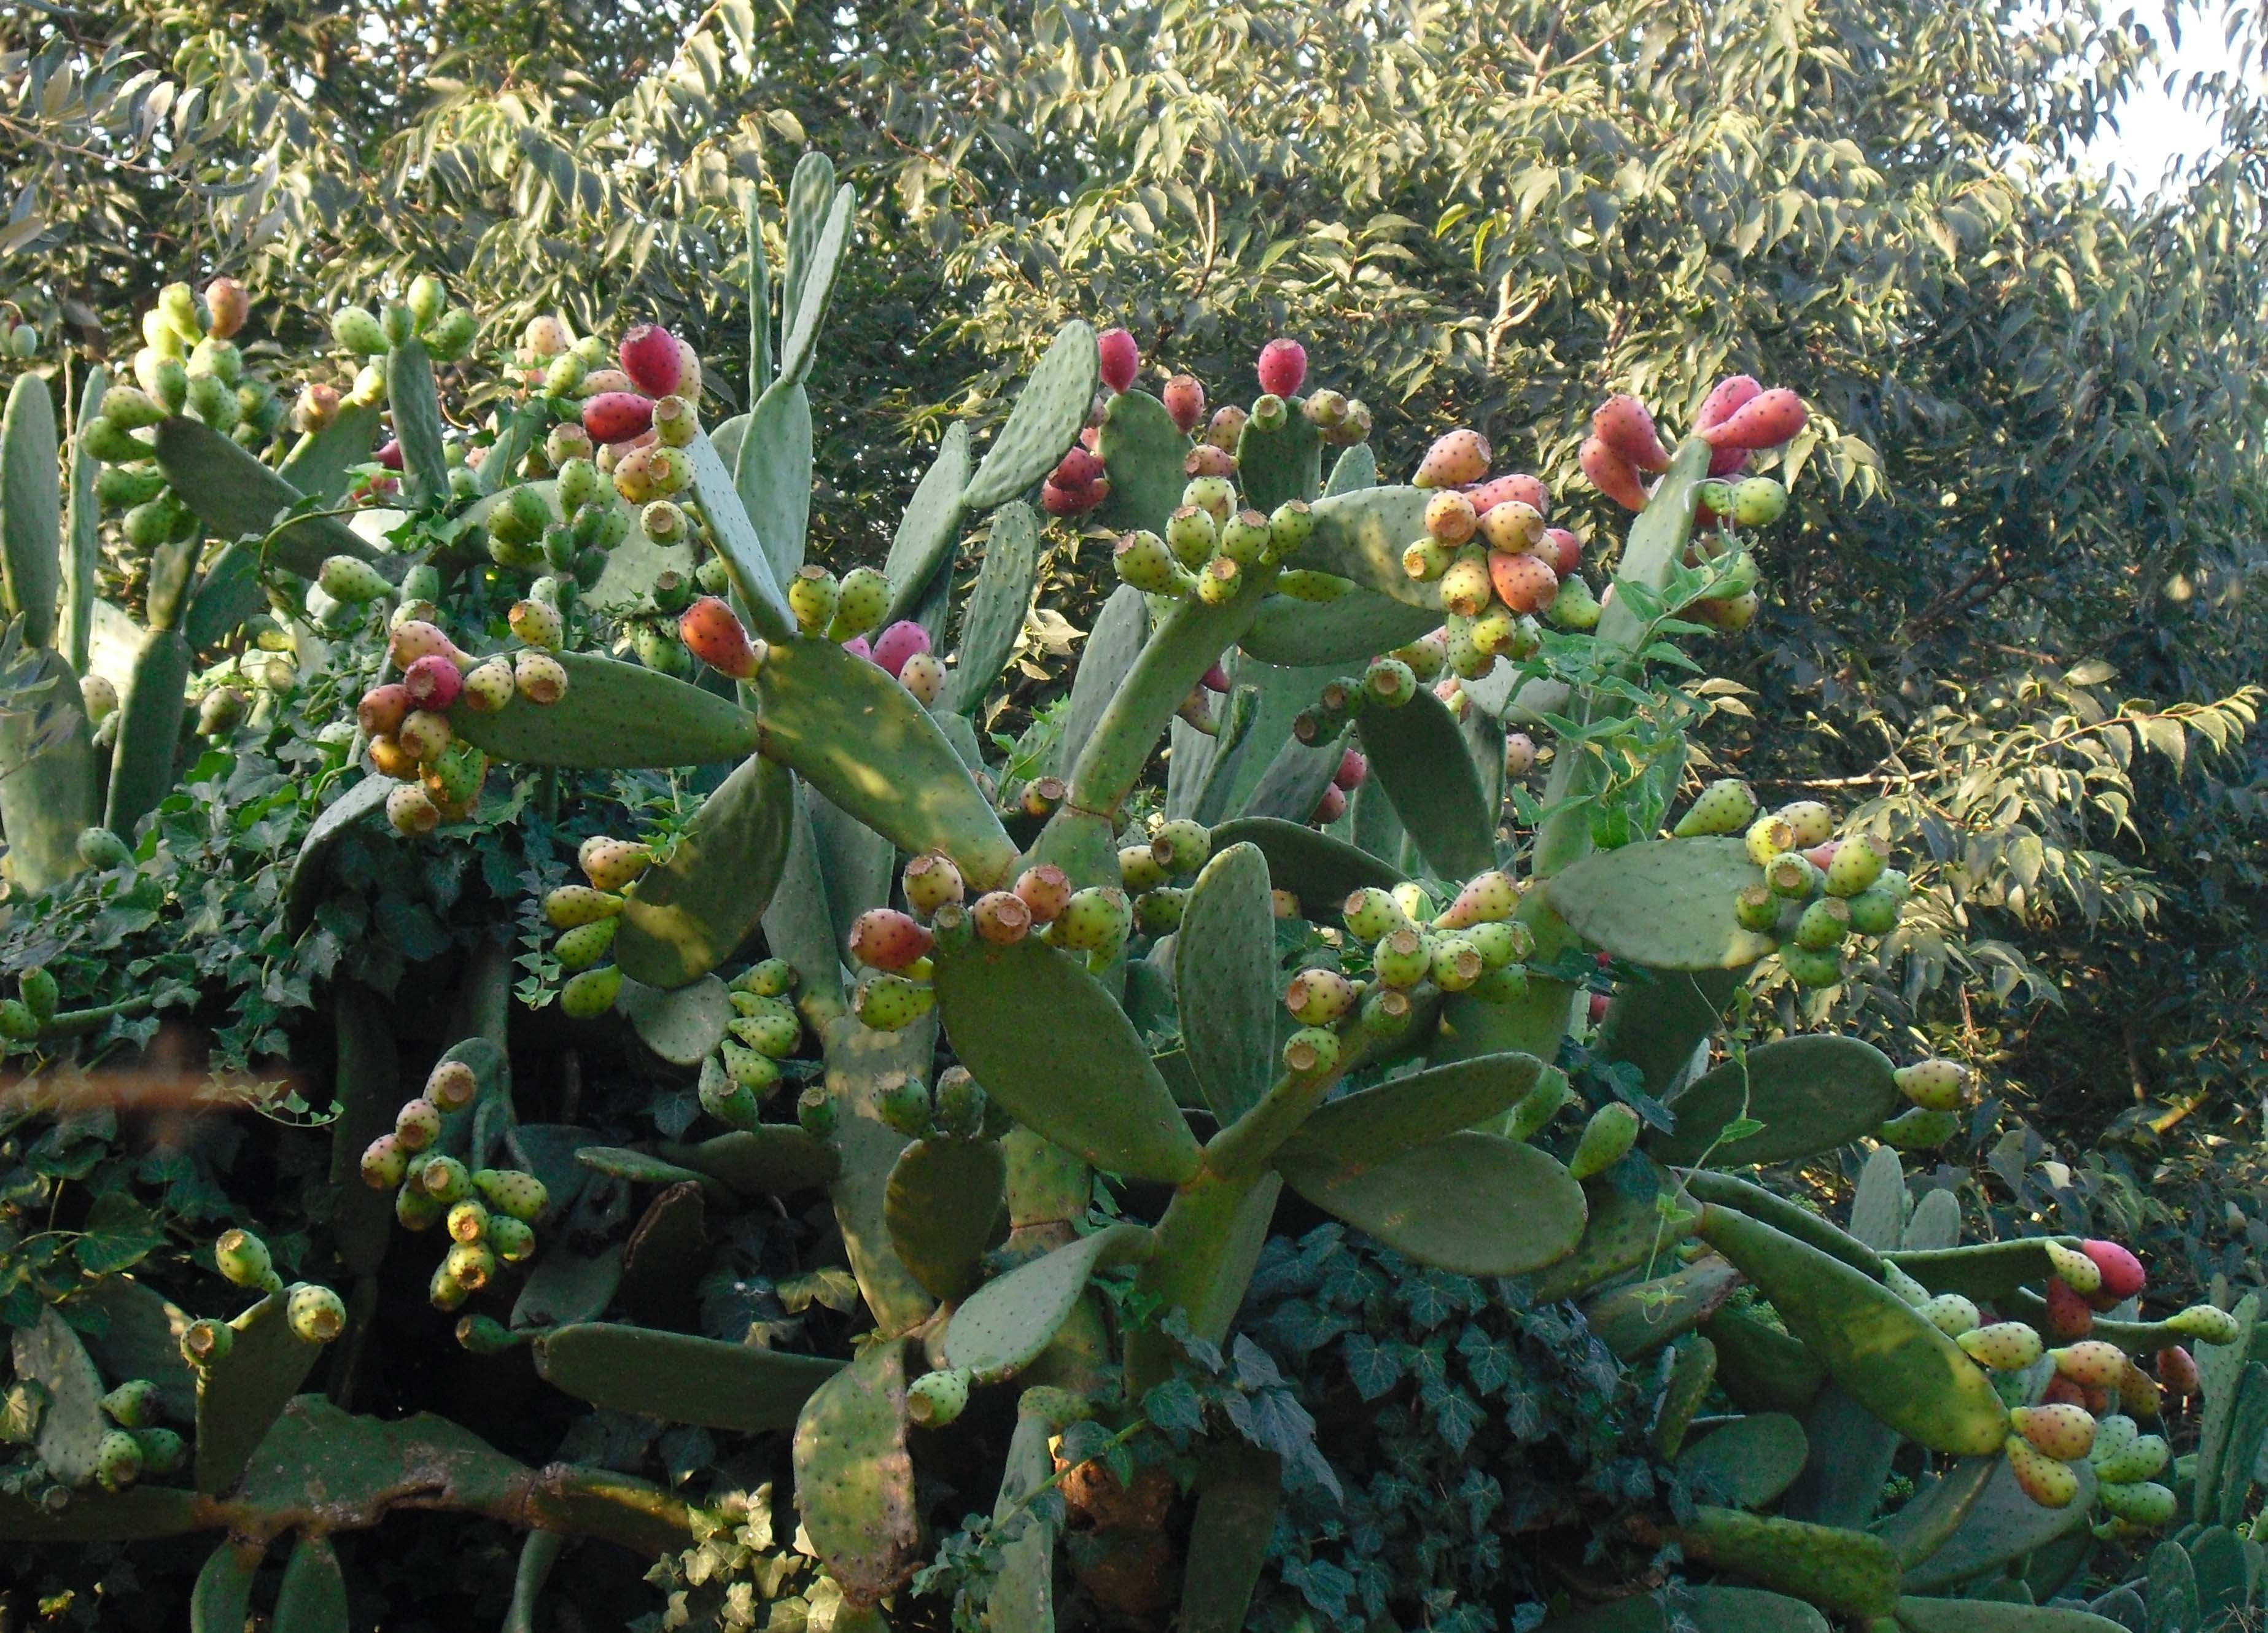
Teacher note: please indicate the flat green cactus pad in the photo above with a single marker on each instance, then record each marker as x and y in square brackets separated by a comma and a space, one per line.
[1361, 535]
[993, 620]
[1704, 1609]
[1321, 872]
[234, 495]
[1811, 1093]
[141, 1337]
[2228, 1565]
[771, 475]
[943, 1198]
[1225, 979]
[1286, 463]
[637, 1166]
[240, 1397]
[1971, 1615]
[731, 526]
[1893, 1362]
[309, 869]
[1469, 1203]
[854, 1481]
[318, 463]
[1748, 1462]
[1294, 783]
[417, 408]
[2220, 1368]
[1121, 630]
[1046, 420]
[1023, 1594]
[46, 796]
[1361, 1131]
[1240, 1493]
[1355, 469]
[1008, 1321]
[1708, 1185]
[1626, 1229]
[858, 737]
[860, 1061]
[688, 913]
[1047, 1042]
[313, 1598]
[566, 1287]
[616, 716]
[1637, 1318]
[2001, 1526]
[1656, 1025]
[31, 510]
[1760, 1367]
[1352, 629]
[221, 1601]
[930, 526]
[775, 1160]
[682, 1025]
[679, 1378]
[82, 535]
[2176, 1604]
[1142, 450]
[1841, 1571]
[70, 1423]
[1987, 1271]
[1666, 903]
[1418, 756]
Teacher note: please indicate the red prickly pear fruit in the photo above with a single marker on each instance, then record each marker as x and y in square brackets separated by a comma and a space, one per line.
[1184, 400]
[1600, 1004]
[2039, 1476]
[901, 641]
[1456, 460]
[2004, 1346]
[1726, 399]
[389, 455]
[1216, 680]
[2063, 1392]
[1001, 918]
[713, 633]
[1728, 462]
[2177, 1373]
[433, 682]
[2069, 1318]
[2065, 1433]
[2122, 1277]
[2074, 1268]
[616, 415]
[1564, 550]
[1524, 583]
[1624, 425]
[1045, 890]
[612, 864]
[1353, 772]
[2097, 1398]
[383, 708]
[884, 938]
[413, 638]
[649, 356]
[1283, 367]
[1612, 474]
[1332, 806]
[1488, 898]
[1821, 856]
[1319, 997]
[1118, 358]
[2091, 1363]
[1079, 469]
[1518, 753]
[1057, 500]
[1764, 421]
[1528, 490]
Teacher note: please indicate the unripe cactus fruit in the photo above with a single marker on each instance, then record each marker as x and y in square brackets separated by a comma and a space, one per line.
[1001, 918]
[2062, 1432]
[348, 579]
[1873, 912]
[1456, 460]
[1449, 517]
[1938, 1085]
[612, 865]
[243, 1259]
[1517, 527]
[1612, 474]
[2121, 1459]
[930, 881]
[207, 1343]
[903, 1102]
[117, 1461]
[1311, 1051]
[1726, 806]
[1186, 845]
[1758, 502]
[884, 938]
[1426, 560]
[445, 1180]
[1486, 898]
[1525, 584]
[2122, 1272]
[487, 686]
[2207, 1324]
[714, 634]
[417, 1124]
[1627, 428]
[219, 711]
[2142, 1503]
[1794, 875]
[1859, 862]
[2092, 1364]
[471, 1265]
[1095, 920]
[1140, 867]
[2004, 1346]
[960, 1104]
[2040, 1477]
[591, 993]
[1045, 890]
[1457, 964]
[414, 1209]
[1501, 943]
[2072, 1267]
[384, 1163]
[586, 944]
[1606, 1137]
[163, 1452]
[1822, 926]
[1118, 359]
[1371, 914]
[1466, 586]
[357, 331]
[1319, 997]
[134, 1404]
[316, 1313]
[861, 598]
[936, 1399]
[616, 415]
[515, 1194]
[1764, 421]
[1950, 1313]
[410, 811]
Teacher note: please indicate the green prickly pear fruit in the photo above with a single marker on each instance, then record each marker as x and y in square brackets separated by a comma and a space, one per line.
[357, 331]
[2142, 1503]
[1426, 560]
[488, 686]
[218, 358]
[935, 1398]
[591, 993]
[1390, 682]
[1486, 899]
[960, 1104]
[884, 938]
[100, 847]
[484, 1335]
[517, 1196]
[1371, 914]
[813, 596]
[1769, 836]
[511, 1240]
[414, 1207]
[2059, 1431]
[38, 990]
[316, 1314]
[1937, 1085]
[1416, 905]
[954, 927]
[1538, 1107]
[1501, 942]
[1873, 912]
[112, 444]
[2004, 1346]
[750, 1068]
[1574, 606]
[427, 295]
[1794, 875]
[445, 1180]
[713, 577]
[2132, 1457]
[586, 944]
[930, 881]
[1289, 525]
[130, 410]
[1386, 1014]
[1403, 958]
[244, 1260]
[2114, 1436]
[134, 1404]
[924, 677]
[902, 1100]
[18, 1024]
[815, 1113]
[1951, 1314]
[1317, 997]
[1311, 1052]
[1857, 863]
[1144, 561]
[1918, 1129]
[2207, 1324]
[768, 1026]
[1606, 1137]
[1188, 845]
[206, 1343]
[117, 1461]
[1246, 539]
[612, 865]
[1758, 502]
[1216, 495]
[122, 486]
[454, 334]
[732, 1104]
[861, 599]
[1140, 867]
[891, 1003]
[445, 1292]
[2040, 1477]
[770, 978]
[1808, 966]
[1457, 964]
[1756, 908]
[471, 1265]
[163, 1452]
[1812, 823]
[1466, 589]
[220, 712]
[1095, 922]
[1726, 806]
[1191, 535]
[537, 624]
[1001, 918]
[417, 1124]
[385, 1162]
[570, 905]
[1158, 912]
[663, 521]
[1823, 926]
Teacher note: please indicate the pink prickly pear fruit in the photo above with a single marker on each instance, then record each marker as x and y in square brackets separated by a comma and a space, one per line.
[1821, 856]
[383, 708]
[612, 865]
[1456, 460]
[1624, 425]
[1216, 680]
[2004, 1346]
[713, 633]
[417, 1124]
[1319, 997]
[452, 1085]
[2039, 1476]
[389, 455]
[227, 305]
[1528, 490]
[2080, 1273]
[1001, 918]
[1728, 462]
[1079, 469]
[1518, 753]
[2063, 1392]
[1726, 399]
[1488, 898]
[1524, 583]
[1204, 460]
[1045, 890]
[649, 356]
[1612, 474]
[1332, 806]
[2122, 1277]
[2069, 1317]
[1118, 358]
[413, 638]
[2091, 1363]
[433, 682]
[884, 938]
[857, 646]
[616, 415]
[2177, 1373]
[1185, 402]
[1765, 421]
[931, 881]
[1057, 500]
[901, 641]
[385, 1162]
[1283, 367]
[1353, 772]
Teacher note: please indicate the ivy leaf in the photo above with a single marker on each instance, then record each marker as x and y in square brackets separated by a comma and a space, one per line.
[120, 1233]
[1175, 1408]
[1373, 1367]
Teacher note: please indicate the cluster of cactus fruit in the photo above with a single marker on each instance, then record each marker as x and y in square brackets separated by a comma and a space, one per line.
[1218, 1000]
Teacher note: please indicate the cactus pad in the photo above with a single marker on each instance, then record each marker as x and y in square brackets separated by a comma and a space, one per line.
[221, 1601]
[1811, 1093]
[734, 531]
[567, 1287]
[922, 545]
[1350, 630]
[688, 912]
[313, 1598]
[1985, 1271]
[1469, 1203]
[858, 738]
[417, 422]
[854, 1481]
[234, 495]
[1665, 903]
[771, 474]
[682, 1024]
[1359, 1131]
[141, 1337]
[1703, 1609]
[1760, 1367]
[1321, 872]
[860, 1064]
[1142, 451]
[678, 1377]
[1240, 1492]
[1419, 757]
[1970, 1615]
[1361, 534]
[31, 512]
[1046, 420]
[775, 1160]
[1014, 1013]
[992, 621]
[51, 1356]
[1225, 975]
[2001, 1525]
[48, 793]
[616, 716]
[1285, 463]
[1122, 628]
[1748, 1462]
[942, 1200]
[1656, 1025]
[1841, 1571]
[317, 465]
[1637, 1318]
[240, 1397]
[1707, 1185]
[1008, 1321]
